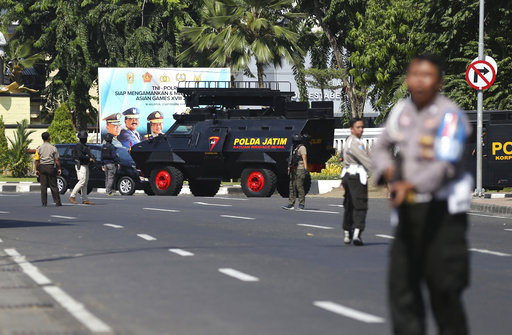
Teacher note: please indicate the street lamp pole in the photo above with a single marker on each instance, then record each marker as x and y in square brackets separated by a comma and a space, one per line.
[480, 105]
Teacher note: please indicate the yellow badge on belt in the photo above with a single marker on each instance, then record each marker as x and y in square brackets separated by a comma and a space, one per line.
[427, 140]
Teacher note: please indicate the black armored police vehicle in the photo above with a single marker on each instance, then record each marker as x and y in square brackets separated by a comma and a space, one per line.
[235, 130]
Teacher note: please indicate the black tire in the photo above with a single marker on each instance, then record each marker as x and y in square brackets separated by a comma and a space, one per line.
[258, 182]
[204, 188]
[62, 184]
[149, 191]
[126, 185]
[166, 180]
[283, 185]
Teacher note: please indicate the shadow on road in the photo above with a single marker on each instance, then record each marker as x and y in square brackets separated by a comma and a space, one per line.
[25, 224]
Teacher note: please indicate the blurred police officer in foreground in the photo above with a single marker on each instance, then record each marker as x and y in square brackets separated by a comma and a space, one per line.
[297, 169]
[355, 179]
[113, 125]
[82, 157]
[47, 157]
[129, 136]
[111, 163]
[430, 192]
[156, 123]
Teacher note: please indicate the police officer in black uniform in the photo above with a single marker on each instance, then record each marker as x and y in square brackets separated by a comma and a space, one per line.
[297, 169]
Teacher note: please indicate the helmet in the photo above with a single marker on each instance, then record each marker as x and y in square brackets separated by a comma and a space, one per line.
[109, 137]
[296, 138]
[82, 134]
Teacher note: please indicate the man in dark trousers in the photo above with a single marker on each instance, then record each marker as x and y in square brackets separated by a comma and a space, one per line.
[298, 163]
[356, 165]
[47, 158]
[110, 163]
[430, 192]
[82, 157]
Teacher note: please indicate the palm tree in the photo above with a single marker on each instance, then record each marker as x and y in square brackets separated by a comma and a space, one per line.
[18, 56]
[236, 31]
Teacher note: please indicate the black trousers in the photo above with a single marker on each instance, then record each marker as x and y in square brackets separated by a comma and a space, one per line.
[355, 203]
[48, 178]
[429, 248]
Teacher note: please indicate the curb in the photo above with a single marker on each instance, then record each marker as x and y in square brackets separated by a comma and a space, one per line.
[491, 209]
[497, 195]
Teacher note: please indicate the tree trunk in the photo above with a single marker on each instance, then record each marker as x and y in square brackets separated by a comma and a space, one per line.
[356, 96]
[323, 94]
[261, 74]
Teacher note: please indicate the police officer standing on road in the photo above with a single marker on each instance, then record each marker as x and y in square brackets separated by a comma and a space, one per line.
[431, 194]
[110, 162]
[47, 157]
[82, 157]
[355, 179]
[297, 169]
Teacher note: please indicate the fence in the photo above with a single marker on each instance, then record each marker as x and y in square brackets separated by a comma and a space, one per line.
[370, 135]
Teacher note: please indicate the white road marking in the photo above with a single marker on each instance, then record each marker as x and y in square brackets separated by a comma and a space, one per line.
[3, 212]
[78, 310]
[237, 217]
[508, 229]
[75, 308]
[348, 312]
[228, 198]
[337, 206]
[63, 217]
[208, 204]
[238, 275]
[111, 198]
[9, 195]
[490, 252]
[385, 236]
[1, 240]
[181, 252]
[317, 211]
[314, 226]
[27, 267]
[491, 216]
[146, 237]
[162, 210]
[113, 225]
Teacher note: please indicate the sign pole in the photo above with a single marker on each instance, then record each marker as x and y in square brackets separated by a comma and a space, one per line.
[480, 105]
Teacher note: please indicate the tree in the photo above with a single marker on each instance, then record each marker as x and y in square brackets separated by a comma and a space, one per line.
[323, 79]
[236, 31]
[337, 18]
[62, 129]
[76, 37]
[3, 146]
[18, 57]
[384, 41]
[18, 157]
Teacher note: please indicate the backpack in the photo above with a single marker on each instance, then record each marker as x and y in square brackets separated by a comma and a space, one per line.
[106, 153]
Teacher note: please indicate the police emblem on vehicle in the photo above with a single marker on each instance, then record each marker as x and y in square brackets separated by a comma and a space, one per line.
[213, 141]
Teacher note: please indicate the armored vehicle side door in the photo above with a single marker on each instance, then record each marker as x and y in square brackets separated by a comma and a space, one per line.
[180, 138]
[212, 146]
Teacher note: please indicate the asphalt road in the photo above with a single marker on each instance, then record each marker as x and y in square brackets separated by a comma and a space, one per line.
[186, 265]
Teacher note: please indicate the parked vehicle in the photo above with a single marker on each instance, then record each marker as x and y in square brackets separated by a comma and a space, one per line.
[222, 139]
[127, 180]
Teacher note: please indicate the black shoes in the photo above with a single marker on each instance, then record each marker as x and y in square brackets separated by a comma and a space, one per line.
[358, 241]
[301, 206]
[58, 204]
[288, 207]
[44, 205]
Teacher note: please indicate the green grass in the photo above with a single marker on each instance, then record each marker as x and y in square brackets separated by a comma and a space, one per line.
[12, 179]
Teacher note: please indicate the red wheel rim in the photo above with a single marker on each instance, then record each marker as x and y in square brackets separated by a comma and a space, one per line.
[163, 180]
[255, 181]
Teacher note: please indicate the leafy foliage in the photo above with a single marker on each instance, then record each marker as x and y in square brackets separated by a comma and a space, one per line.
[17, 57]
[235, 31]
[18, 157]
[3, 146]
[62, 129]
[323, 79]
